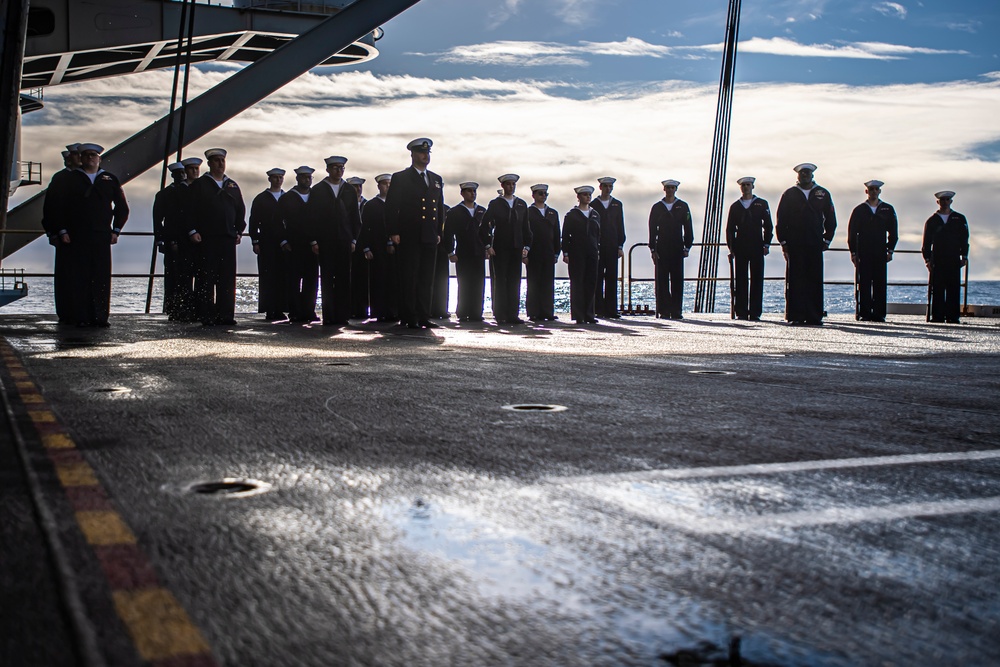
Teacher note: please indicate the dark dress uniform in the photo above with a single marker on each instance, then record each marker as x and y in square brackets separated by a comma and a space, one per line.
[612, 240]
[267, 231]
[94, 210]
[220, 218]
[55, 221]
[186, 255]
[303, 264]
[461, 238]
[505, 229]
[946, 247]
[805, 229]
[581, 245]
[671, 235]
[335, 224]
[414, 210]
[540, 300]
[871, 237]
[382, 270]
[170, 236]
[360, 274]
[440, 292]
[749, 231]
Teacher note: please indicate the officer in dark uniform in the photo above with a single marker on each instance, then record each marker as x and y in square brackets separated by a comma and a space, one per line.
[93, 213]
[612, 248]
[946, 250]
[219, 215]
[414, 216]
[380, 253]
[303, 263]
[507, 237]
[748, 235]
[53, 219]
[805, 227]
[168, 219]
[465, 249]
[360, 279]
[671, 236]
[267, 233]
[872, 234]
[581, 244]
[539, 301]
[335, 221]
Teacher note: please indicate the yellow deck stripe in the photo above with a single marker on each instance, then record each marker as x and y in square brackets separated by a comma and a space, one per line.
[76, 474]
[32, 398]
[57, 441]
[158, 624]
[104, 528]
[41, 416]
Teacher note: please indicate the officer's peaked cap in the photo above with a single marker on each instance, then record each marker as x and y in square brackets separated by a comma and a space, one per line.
[423, 144]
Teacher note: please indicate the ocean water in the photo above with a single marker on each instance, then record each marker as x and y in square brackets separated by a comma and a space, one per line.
[128, 295]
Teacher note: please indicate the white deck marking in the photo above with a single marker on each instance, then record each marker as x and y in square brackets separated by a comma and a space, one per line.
[775, 468]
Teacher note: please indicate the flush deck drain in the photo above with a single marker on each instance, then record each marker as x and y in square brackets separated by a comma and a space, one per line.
[339, 363]
[112, 390]
[707, 372]
[534, 407]
[229, 488]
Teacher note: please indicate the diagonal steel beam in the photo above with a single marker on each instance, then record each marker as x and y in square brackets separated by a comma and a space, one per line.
[214, 107]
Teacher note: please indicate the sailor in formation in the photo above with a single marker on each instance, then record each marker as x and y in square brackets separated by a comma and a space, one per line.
[612, 248]
[539, 301]
[54, 224]
[335, 224]
[507, 237]
[581, 245]
[872, 233]
[805, 225]
[379, 252]
[303, 263]
[467, 252]
[749, 231]
[267, 234]
[671, 235]
[168, 222]
[360, 300]
[945, 249]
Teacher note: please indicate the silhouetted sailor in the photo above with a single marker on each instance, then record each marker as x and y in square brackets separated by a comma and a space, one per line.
[805, 226]
[465, 249]
[539, 301]
[168, 222]
[581, 244]
[303, 263]
[54, 222]
[414, 214]
[219, 220]
[748, 235]
[946, 250]
[440, 293]
[671, 236]
[612, 248]
[360, 269]
[380, 254]
[267, 232]
[872, 233]
[335, 221]
[188, 252]
[507, 237]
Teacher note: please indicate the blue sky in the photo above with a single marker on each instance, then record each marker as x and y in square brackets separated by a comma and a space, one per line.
[566, 91]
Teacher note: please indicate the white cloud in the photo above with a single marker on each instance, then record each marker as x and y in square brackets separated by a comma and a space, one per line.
[916, 138]
[971, 26]
[780, 46]
[535, 54]
[891, 9]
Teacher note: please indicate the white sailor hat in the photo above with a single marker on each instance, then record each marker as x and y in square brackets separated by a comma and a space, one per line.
[944, 194]
[468, 185]
[509, 177]
[383, 177]
[670, 181]
[97, 148]
[355, 180]
[540, 187]
[73, 148]
[805, 165]
[175, 166]
[584, 190]
[213, 152]
[606, 180]
[304, 170]
[277, 171]
[336, 159]
[65, 154]
[423, 145]
[746, 179]
[192, 162]
[874, 183]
